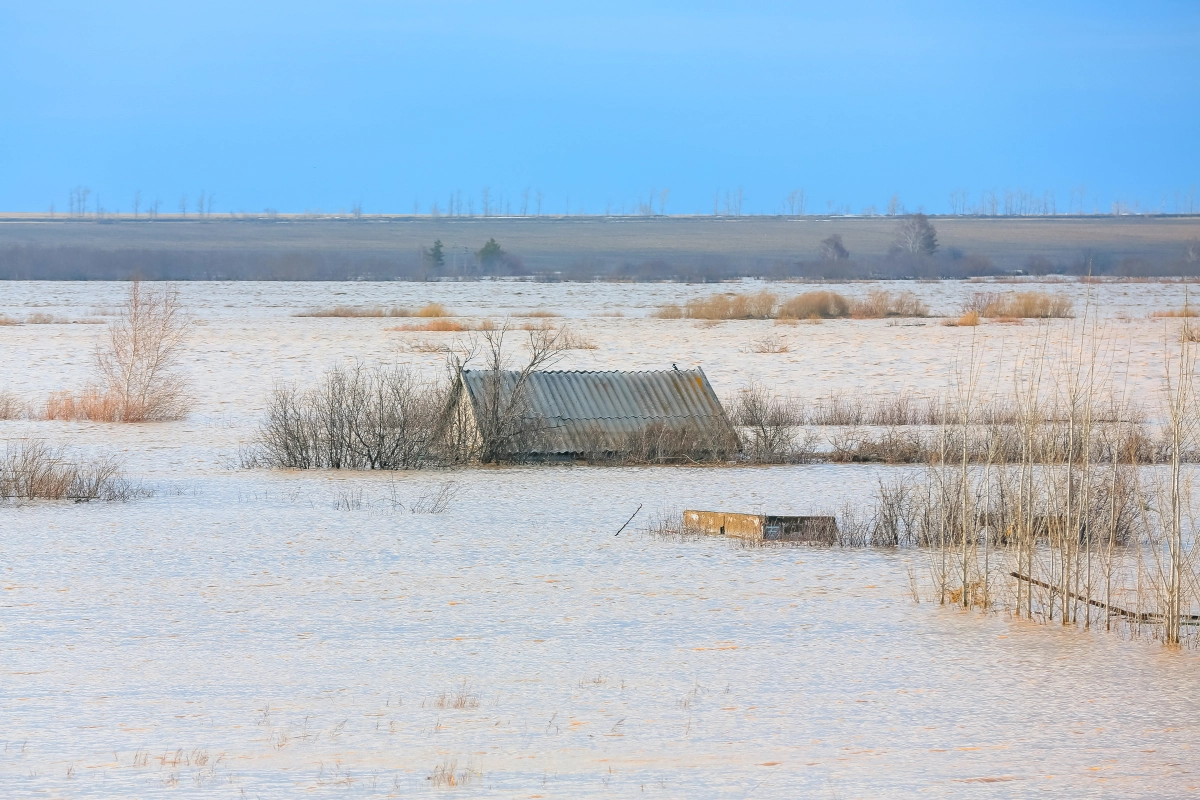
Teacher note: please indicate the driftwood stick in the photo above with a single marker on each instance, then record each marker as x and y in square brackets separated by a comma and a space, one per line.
[1134, 615]
[631, 516]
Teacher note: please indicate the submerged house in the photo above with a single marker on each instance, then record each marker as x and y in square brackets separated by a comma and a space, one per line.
[654, 416]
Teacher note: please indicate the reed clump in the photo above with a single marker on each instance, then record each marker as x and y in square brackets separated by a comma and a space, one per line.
[759, 305]
[350, 312]
[440, 326]
[1020, 305]
[1171, 313]
[881, 304]
[12, 406]
[815, 305]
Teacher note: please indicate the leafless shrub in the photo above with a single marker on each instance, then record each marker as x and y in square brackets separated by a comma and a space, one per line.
[7, 320]
[575, 341]
[667, 311]
[34, 470]
[769, 344]
[356, 418]
[773, 427]
[437, 500]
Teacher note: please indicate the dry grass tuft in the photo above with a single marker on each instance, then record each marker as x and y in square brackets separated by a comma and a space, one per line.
[967, 320]
[7, 320]
[540, 313]
[880, 303]
[1186, 311]
[92, 405]
[350, 312]
[1021, 305]
[435, 326]
[11, 406]
[669, 311]
[433, 310]
[43, 319]
[815, 305]
[460, 699]
[447, 775]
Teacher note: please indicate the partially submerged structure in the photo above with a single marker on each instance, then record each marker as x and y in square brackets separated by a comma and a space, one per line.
[763, 527]
[666, 415]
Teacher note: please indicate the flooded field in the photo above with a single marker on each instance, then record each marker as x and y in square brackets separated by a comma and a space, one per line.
[256, 633]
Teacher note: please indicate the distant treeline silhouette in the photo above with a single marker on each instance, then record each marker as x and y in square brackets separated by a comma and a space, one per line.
[42, 262]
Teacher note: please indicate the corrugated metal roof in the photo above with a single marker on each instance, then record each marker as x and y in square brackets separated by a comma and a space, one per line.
[577, 412]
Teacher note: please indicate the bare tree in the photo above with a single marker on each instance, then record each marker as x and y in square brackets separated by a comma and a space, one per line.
[486, 199]
[503, 419]
[183, 204]
[894, 206]
[137, 362]
[662, 201]
[137, 202]
[525, 202]
[795, 201]
[539, 202]
[832, 249]
[917, 236]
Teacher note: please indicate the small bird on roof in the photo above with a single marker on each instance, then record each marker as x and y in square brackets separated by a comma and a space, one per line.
[674, 367]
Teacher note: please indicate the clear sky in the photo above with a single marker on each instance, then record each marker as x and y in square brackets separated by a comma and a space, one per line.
[315, 106]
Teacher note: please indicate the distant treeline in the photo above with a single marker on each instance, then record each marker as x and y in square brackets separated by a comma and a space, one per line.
[43, 262]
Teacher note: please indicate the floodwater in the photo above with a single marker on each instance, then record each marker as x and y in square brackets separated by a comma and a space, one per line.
[275, 634]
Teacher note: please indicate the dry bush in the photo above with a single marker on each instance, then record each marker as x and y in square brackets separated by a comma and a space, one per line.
[1186, 311]
[356, 418]
[33, 470]
[768, 344]
[12, 407]
[425, 346]
[880, 303]
[669, 311]
[772, 427]
[760, 305]
[136, 364]
[542, 313]
[1020, 305]
[576, 341]
[815, 305]
[7, 320]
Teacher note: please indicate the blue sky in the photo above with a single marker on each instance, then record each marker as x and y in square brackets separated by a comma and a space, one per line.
[305, 106]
